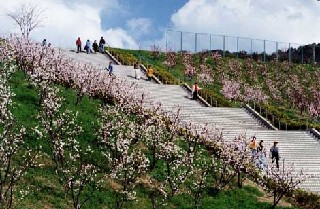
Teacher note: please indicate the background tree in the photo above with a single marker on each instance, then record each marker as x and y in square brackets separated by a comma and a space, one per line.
[28, 17]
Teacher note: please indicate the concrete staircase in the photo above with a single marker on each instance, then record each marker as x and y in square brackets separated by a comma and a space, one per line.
[296, 147]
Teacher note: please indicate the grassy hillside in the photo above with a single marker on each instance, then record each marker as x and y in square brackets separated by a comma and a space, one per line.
[45, 187]
[292, 90]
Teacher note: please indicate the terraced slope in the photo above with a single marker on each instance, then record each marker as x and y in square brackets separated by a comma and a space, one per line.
[296, 147]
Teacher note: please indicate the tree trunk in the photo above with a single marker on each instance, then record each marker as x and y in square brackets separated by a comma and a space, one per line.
[239, 180]
[79, 98]
[274, 200]
[153, 201]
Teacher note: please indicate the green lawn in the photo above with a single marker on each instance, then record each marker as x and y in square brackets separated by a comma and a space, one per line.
[45, 189]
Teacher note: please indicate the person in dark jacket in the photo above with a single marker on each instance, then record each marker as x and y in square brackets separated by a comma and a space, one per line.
[102, 42]
[95, 46]
[275, 154]
[44, 42]
[110, 68]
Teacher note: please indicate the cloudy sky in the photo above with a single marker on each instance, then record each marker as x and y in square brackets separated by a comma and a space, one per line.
[139, 23]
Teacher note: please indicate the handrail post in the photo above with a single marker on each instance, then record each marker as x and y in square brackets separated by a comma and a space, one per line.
[273, 119]
[260, 109]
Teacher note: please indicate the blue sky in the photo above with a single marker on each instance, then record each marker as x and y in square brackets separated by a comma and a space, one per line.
[139, 23]
[157, 11]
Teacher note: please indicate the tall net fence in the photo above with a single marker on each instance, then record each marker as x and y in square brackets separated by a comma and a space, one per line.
[232, 46]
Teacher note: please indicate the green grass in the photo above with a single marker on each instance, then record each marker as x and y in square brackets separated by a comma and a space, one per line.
[46, 191]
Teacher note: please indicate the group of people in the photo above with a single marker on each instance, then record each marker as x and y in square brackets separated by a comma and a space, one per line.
[90, 47]
[136, 68]
[149, 71]
[44, 43]
[259, 153]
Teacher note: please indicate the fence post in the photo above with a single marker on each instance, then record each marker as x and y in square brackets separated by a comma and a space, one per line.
[195, 42]
[277, 51]
[314, 53]
[224, 46]
[289, 53]
[210, 43]
[302, 54]
[264, 50]
[251, 48]
[180, 41]
[237, 47]
[166, 37]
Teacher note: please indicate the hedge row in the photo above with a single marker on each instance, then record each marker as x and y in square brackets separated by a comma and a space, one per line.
[281, 120]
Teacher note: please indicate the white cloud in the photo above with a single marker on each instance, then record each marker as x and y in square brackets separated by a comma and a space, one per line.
[139, 26]
[65, 21]
[296, 21]
[120, 38]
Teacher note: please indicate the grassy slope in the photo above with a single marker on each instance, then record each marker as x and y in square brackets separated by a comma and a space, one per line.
[282, 109]
[47, 192]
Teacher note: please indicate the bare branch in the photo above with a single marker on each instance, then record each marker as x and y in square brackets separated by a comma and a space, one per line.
[28, 17]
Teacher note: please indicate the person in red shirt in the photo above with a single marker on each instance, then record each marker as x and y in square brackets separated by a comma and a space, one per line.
[78, 43]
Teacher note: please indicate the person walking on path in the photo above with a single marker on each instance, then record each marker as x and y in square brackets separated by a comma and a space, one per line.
[95, 46]
[102, 42]
[110, 68]
[136, 68]
[195, 91]
[261, 152]
[78, 43]
[253, 146]
[275, 153]
[149, 72]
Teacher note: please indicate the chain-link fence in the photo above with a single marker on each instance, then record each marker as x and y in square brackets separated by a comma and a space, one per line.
[231, 46]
